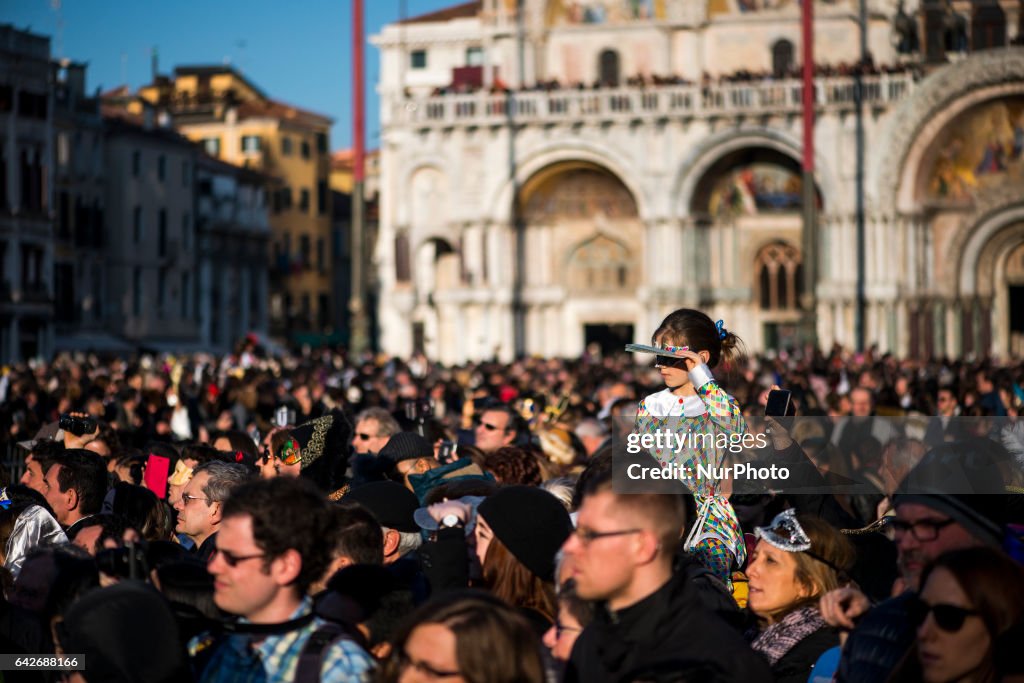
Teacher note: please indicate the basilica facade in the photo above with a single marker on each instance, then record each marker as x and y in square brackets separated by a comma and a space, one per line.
[567, 173]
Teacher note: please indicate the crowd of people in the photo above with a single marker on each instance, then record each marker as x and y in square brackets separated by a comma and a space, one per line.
[743, 76]
[319, 516]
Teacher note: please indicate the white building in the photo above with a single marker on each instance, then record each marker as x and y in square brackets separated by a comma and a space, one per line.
[541, 220]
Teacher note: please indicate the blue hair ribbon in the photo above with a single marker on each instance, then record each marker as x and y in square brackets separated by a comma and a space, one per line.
[720, 326]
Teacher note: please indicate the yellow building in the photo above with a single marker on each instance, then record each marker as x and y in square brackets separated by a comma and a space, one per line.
[238, 123]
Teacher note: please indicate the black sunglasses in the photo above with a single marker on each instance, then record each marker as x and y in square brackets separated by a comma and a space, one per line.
[949, 618]
[232, 560]
[666, 362]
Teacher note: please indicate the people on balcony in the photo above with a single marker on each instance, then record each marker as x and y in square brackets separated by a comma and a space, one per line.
[742, 76]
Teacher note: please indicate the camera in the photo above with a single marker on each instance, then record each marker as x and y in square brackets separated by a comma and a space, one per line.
[128, 562]
[419, 409]
[448, 452]
[79, 426]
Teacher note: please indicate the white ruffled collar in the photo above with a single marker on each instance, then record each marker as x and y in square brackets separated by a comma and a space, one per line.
[666, 404]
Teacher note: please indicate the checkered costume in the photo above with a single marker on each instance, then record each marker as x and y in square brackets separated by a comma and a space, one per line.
[718, 542]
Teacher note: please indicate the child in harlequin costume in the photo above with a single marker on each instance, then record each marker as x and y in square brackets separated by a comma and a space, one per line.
[687, 345]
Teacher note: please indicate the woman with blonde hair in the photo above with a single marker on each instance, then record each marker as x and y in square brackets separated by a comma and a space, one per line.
[797, 559]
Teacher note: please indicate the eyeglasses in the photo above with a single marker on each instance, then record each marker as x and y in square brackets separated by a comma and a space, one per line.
[185, 499]
[949, 618]
[924, 530]
[230, 559]
[405, 661]
[363, 437]
[665, 362]
[588, 536]
[489, 427]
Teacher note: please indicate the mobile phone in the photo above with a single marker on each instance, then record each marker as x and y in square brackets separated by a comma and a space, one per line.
[780, 404]
[448, 452]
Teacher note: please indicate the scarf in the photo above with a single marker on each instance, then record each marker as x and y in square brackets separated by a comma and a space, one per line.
[782, 636]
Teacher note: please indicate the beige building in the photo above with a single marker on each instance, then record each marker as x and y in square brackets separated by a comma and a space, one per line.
[238, 123]
[26, 196]
[648, 156]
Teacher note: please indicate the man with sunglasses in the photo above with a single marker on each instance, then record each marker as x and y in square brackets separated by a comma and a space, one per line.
[269, 550]
[498, 427]
[374, 426]
[199, 507]
[925, 527]
[651, 620]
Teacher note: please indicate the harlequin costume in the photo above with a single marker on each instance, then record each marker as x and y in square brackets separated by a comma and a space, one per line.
[716, 539]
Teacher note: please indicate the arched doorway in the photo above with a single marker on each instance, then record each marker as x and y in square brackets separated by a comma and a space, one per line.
[583, 243]
[1014, 269]
[991, 309]
[746, 211]
[438, 275]
[968, 182]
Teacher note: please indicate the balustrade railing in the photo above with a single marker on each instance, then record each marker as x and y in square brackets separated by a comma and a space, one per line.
[686, 101]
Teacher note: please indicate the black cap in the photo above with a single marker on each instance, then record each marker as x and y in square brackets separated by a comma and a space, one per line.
[532, 524]
[406, 446]
[962, 481]
[392, 504]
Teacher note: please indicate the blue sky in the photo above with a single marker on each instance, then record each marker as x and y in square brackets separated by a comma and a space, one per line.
[297, 52]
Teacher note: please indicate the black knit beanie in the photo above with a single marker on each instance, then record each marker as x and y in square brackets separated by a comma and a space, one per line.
[531, 523]
[406, 446]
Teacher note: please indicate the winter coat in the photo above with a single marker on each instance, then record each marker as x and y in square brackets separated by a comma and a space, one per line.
[666, 634]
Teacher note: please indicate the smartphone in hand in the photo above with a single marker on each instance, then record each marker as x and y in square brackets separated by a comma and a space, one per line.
[780, 404]
[448, 452]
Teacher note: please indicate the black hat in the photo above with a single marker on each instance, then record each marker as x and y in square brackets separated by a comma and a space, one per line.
[962, 481]
[322, 436]
[531, 523]
[323, 449]
[116, 628]
[406, 446]
[392, 504]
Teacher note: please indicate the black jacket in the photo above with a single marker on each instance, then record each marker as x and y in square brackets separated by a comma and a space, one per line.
[668, 636]
[712, 593]
[880, 640]
[795, 666]
[205, 551]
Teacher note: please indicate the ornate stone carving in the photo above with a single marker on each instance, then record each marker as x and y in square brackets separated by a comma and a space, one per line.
[936, 93]
[989, 203]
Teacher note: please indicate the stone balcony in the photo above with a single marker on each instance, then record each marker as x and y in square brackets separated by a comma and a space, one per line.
[649, 103]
